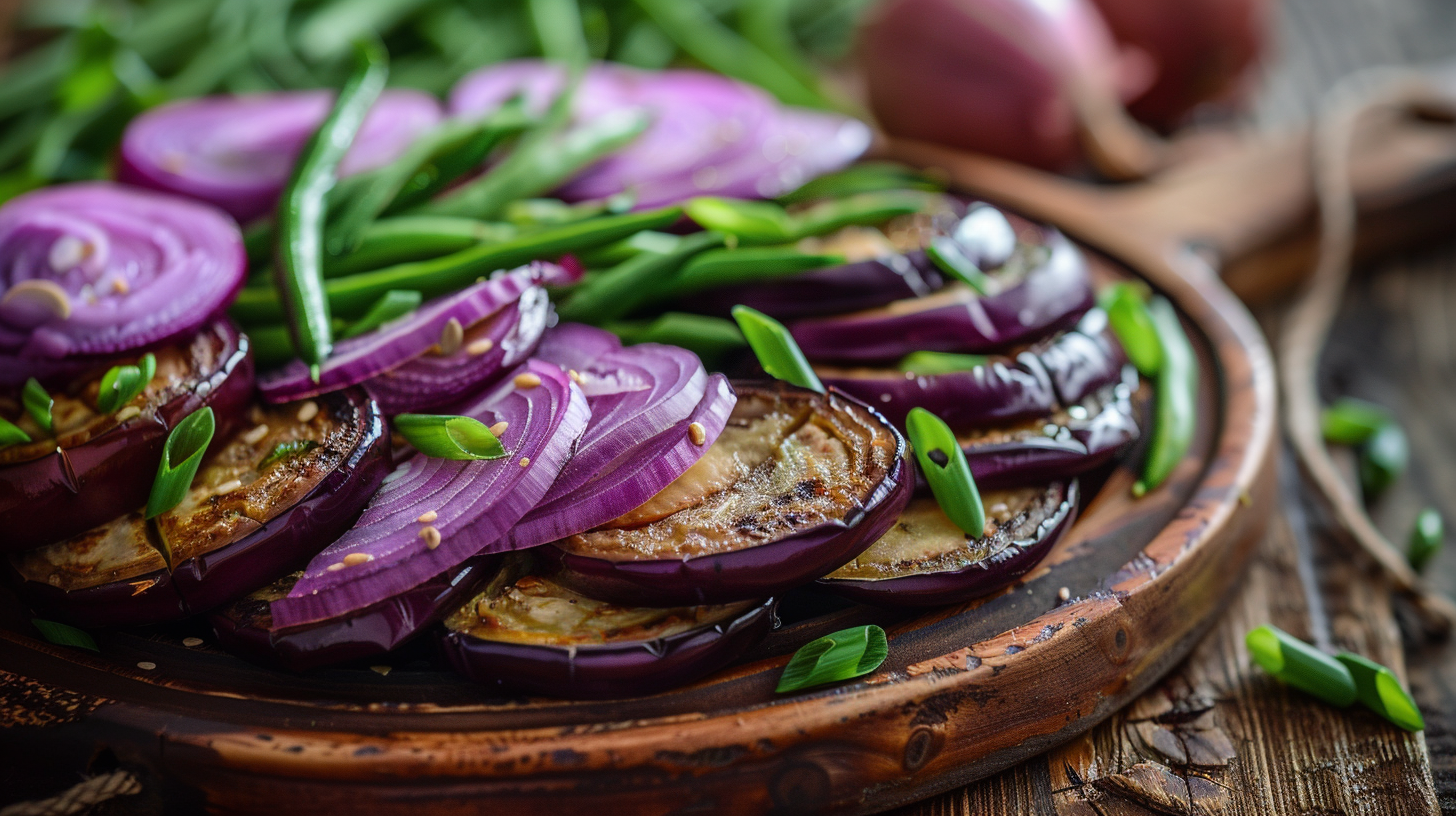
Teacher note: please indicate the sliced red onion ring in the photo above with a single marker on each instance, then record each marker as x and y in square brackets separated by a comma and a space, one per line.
[98, 268]
[1052, 296]
[369, 355]
[237, 151]
[487, 350]
[575, 346]
[434, 514]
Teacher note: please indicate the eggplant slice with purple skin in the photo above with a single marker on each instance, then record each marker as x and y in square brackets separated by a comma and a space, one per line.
[527, 632]
[797, 484]
[925, 560]
[262, 503]
[99, 466]
[245, 626]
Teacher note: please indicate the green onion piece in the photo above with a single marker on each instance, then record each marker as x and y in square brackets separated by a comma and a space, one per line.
[866, 209]
[1426, 538]
[844, 655]
[940, 362]
[63, 634]
[181, 455]
[449, 437]
[724, 267]
[775, 348]
[714, 339]
[1377, 689]
[1127, 311]
[944, 465]
[1301, 665]
[1352, 421]
[759, 222]
[1383, 458]
[392, 305]
[1176, 414]
[634, 282]
[38, 404]
[287, 450]
[11, 434]
[122, 384]
[946, 254]
[865, 177]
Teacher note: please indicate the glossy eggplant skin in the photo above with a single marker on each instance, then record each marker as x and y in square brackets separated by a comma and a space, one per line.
[1004, 389]
[207, 580]
[607, 671]
[245, 628]
[69, 491]
[755, 571]
[972, 581]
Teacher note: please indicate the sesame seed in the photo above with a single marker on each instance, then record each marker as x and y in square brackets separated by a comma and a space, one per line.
[192, 642]
[427, 517]
[381, 670]
[431, 537]
[525, 460]
[335, 567]
[146, 665]
[527, 380]
[307, 411]
[228, 486]
[479, 347]
[697, 433]
[451, 336]
[129, 412]
[1063, 594]
[120, 286]
[575, 376]
[355, 559]
[499, 428]
[256, 435]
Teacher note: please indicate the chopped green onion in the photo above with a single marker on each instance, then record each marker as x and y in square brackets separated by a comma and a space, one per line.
[11, 434]
[1377, 689]
[63, 634]
[391, 305]
[1127, 311]
[944, 465]
[1301, 665]
[760, 222]
[1426, 538]
[449, 437]
[122, 384]
[1353, 421]
[775, 348]
[1383, 458]
[287, 450]
[940, 362]
[38, 404]
[834, 658]
[181, 456]
[946, 254]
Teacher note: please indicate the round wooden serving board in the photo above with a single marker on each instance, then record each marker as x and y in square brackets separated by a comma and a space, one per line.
[966, 691]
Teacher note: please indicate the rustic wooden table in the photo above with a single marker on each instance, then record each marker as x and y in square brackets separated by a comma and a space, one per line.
[1220, 737]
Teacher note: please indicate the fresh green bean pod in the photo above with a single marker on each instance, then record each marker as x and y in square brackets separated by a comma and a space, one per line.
[1426, 538]
[720, 267]
[302, 208]
[1176, 413]
[1383, 459]
[1351, 421]
[863, 177]
[620, 290]
[630, 247]
[395, 240]
[714, 339]
[1301, 665]
[507, 122]
[1126, 306]
[866, 209]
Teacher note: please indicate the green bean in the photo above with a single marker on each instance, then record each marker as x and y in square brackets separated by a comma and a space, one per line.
[328, 31]
[392, 305]
[759, 222]
[390, 241]
[1352, 421]
[645, 46]
[865, 177]
[258, 240]
[551, 212]
[619, 251]
[303, 206]
[559, 31]
[620, 290]
[721, 267]
[351, 295]
[765, 23]
[1127, 311]
[507, 122]
[1426, 538]
[868, 208]
[29, 80]
[21, 134]
[715, 340]
[1383, 459]
[1176, 414]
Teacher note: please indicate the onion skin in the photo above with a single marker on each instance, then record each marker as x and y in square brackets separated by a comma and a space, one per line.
[236, 152]
[114, 470]
[1053, 296]
[211, 579]
[958, 586]
[370, 632]
[752, 572]
[629, 669]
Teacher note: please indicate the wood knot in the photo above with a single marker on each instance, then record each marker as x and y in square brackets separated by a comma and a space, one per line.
[923, 745]
[800, 787]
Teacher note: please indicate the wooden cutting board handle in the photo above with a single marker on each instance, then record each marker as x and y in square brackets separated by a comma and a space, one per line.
[1247, 208]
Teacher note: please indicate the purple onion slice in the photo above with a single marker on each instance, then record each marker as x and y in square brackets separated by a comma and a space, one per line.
[236, 151]
[262, 503]
[98, 269]
[434, 514]
[487, 350]
[925, 560]
[407, 338]
[575, 346]
[529, 633]
[101, 466]
[1052, 295]
[797, 484]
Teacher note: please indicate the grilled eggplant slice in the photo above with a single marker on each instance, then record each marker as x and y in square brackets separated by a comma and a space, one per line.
[925, 560]
[528, 632]
[99, 466]
[797, 484]
[263, 502]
